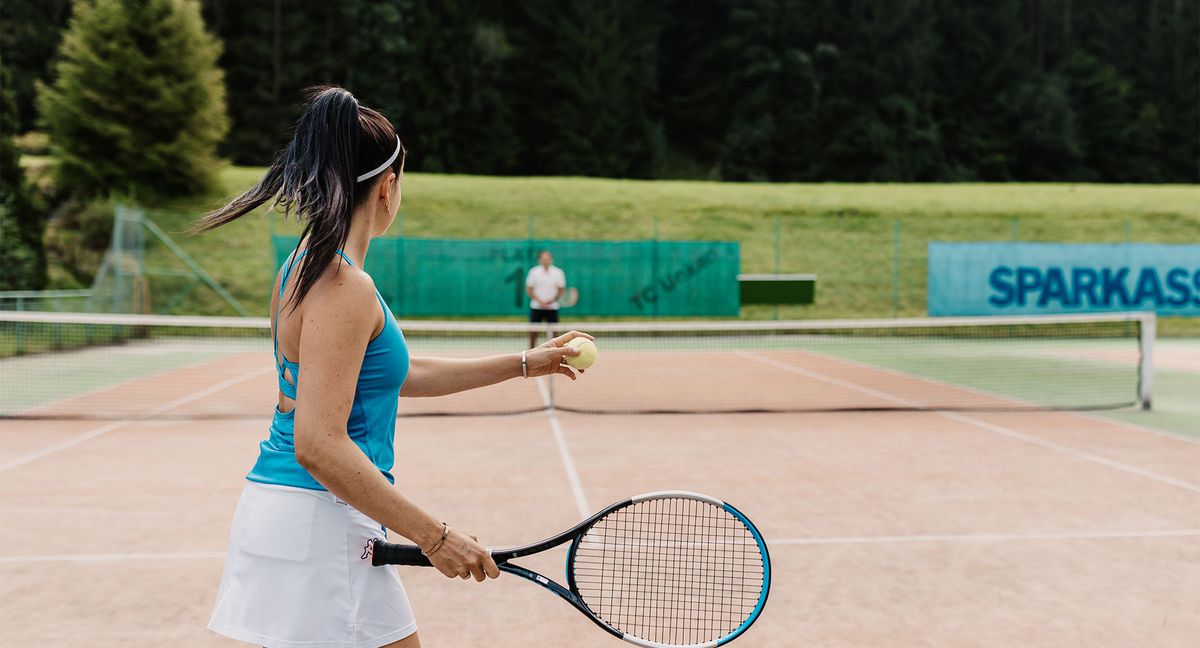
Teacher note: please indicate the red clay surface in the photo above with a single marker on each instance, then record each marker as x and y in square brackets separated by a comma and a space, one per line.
[886, 529]
[240, 385]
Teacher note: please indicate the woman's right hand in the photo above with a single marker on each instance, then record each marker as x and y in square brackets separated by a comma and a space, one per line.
[462, 556]
[548, 358]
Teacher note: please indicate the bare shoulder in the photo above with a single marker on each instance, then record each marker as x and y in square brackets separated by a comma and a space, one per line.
[343, 300]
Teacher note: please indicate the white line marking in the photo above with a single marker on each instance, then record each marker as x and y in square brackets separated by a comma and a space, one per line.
[985, 537]
[115, 425]
[983, 425]
[116, 557]
[971, 390]
[1081, 454]
[153, 375]
[568, 462]
[896, 400]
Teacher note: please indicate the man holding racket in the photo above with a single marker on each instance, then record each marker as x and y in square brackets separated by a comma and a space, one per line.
[544, 284]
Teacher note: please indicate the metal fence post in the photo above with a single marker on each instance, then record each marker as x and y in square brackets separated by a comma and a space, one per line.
[778, 252]
[896, 267]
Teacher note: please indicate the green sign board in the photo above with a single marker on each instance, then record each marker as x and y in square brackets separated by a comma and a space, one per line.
[452, 277]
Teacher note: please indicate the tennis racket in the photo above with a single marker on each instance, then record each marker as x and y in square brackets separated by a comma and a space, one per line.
[658, 570]
[569, 298]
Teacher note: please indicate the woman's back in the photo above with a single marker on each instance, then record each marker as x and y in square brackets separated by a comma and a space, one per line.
[372, 420]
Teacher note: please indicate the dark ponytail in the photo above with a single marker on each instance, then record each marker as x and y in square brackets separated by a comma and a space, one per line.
[316, 174]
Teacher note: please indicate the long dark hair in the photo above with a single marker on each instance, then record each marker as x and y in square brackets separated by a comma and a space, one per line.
[315, 176]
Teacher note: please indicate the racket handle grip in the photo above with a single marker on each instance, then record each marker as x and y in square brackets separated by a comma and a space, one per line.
[386, 553]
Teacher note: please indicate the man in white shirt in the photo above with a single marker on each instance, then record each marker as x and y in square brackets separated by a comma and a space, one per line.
[544, 284]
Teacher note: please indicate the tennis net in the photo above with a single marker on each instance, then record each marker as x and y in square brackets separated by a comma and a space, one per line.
[60, 365]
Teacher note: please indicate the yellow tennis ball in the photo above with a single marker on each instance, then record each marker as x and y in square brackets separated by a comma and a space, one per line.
[587, 353]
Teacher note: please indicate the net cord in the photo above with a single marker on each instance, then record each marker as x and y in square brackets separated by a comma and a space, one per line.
[1147, 320]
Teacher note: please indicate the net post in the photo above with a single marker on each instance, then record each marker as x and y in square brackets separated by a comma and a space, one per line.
[1148, 332]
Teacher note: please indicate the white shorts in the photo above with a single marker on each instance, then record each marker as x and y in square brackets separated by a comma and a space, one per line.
[296, 575]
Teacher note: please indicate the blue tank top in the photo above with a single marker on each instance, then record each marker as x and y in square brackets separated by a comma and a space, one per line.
[372, 422]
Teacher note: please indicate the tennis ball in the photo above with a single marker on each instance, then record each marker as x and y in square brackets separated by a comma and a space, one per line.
[587, 353]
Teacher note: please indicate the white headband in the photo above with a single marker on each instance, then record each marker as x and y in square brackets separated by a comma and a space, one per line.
[376, 171]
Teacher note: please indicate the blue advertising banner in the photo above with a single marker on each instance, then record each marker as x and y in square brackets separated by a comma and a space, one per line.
[1044, 278]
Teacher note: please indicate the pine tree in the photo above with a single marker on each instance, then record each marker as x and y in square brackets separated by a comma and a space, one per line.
[771, 134]
[276, 49]
[585, 86]
[980, 63]
[29, 35]
[457, 118]
[260, 65]
[138, 104]
[22, 223]
[697, 83]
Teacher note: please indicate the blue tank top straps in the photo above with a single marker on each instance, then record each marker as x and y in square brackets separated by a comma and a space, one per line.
[371, 424]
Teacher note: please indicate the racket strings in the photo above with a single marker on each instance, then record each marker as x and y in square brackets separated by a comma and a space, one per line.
[670, 570]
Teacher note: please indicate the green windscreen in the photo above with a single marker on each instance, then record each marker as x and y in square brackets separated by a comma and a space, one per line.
[449, 277]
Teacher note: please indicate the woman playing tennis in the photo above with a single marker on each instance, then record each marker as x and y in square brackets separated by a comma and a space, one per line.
[321, 490]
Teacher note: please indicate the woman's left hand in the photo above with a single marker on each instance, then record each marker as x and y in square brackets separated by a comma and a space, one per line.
[547, 359]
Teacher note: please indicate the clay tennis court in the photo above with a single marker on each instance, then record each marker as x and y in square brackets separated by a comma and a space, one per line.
[957, 528]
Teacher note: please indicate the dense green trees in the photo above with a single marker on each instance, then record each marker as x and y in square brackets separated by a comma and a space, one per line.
[30, 32]
[137, 103]
[22, 222]
[886, 90]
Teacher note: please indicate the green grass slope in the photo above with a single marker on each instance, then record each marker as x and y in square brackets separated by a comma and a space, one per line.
[857, 238]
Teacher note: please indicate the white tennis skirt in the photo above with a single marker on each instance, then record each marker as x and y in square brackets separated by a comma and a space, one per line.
[297, 575]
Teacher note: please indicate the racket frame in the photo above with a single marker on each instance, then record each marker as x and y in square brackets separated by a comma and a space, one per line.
[384, 553]
[569, 298]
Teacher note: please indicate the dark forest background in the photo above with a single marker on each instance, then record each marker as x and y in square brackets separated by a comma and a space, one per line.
[777, 90]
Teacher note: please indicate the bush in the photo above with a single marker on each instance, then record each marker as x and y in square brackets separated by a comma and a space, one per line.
[77, 237]
[138, 105]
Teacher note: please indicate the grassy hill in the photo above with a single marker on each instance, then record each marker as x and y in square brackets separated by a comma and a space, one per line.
[856, 237]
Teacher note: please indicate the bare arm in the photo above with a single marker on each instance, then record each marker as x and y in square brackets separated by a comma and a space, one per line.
[333, 340]
[441, 376]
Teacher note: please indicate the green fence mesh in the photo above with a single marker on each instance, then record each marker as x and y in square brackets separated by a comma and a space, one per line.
[451, 277]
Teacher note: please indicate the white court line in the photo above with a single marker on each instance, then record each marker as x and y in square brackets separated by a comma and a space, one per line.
[116, 425]
[895, 400]
[1071, 451]
[115, 557]
[986, 537]
[565, 453]
[162, 373]
[983, 425]
[971, 390]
